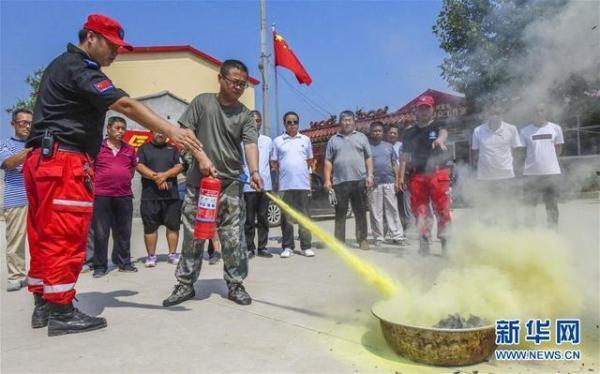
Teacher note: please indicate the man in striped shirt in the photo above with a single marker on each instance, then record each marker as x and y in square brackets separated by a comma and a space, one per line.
[12, 154]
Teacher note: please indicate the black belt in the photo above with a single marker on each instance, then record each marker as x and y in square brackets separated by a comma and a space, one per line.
[70, 148]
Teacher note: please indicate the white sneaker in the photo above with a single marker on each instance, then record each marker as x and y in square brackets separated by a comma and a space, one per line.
[286, 253]
[173, 258]
[308, 253]
[86, 268]
[150, 261]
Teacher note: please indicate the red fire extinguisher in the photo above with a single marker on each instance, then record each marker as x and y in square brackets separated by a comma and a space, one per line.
[208, 205]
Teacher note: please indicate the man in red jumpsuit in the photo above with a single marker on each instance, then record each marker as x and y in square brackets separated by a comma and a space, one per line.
[426, 157]
[66, 134]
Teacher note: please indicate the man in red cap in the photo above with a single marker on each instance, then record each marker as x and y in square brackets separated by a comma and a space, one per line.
[426, 156]
[66, 134]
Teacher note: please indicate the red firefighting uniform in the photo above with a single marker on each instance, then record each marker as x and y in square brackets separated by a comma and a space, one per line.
[58, 220]
[72, 102]
[429, 176]
[434, 187]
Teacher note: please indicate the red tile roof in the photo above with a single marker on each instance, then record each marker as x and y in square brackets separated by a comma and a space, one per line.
[323, 130]
[439, 98]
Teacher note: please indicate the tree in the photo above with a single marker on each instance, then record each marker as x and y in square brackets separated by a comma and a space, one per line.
[33, 80]
[483, 38]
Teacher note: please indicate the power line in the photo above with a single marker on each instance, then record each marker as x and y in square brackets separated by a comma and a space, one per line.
[325, 101]
[316, 107]
[307, 100]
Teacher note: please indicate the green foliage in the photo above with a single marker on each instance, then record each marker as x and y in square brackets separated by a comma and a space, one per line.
[33, 81]
[482, 39]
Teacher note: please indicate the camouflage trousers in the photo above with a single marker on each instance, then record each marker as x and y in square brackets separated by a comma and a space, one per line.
[230, 227]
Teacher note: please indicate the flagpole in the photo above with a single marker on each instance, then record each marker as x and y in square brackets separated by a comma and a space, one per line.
[277, 119]
[264, 69]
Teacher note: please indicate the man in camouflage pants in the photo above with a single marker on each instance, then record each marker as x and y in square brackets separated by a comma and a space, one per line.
[230, 227]
[221, 123]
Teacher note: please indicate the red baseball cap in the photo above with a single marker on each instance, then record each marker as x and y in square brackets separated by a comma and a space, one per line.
[425, 100]
[108, 28]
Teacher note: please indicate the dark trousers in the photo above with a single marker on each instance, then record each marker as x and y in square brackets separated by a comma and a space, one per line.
[112, 213]
[256, 219]
[297, 199]
[91, 239]
[404, 210]
[211, 248]
[547, 188]
[354, 192]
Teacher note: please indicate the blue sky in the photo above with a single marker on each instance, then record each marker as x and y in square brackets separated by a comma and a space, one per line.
[361, 54]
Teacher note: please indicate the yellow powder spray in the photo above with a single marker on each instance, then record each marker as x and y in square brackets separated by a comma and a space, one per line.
[493, 272]
[497, 273]
[366, 271]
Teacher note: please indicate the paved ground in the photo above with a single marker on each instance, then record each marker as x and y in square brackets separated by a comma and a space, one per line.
[308, 315]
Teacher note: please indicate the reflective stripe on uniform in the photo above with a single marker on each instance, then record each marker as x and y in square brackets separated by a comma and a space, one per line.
[34, 281]
[73, 203]
[56, 288]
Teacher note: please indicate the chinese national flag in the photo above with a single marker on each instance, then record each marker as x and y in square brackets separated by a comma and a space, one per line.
[286, 58]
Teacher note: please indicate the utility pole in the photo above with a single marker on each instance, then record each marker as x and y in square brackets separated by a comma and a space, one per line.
[264, 69]
[276, 91]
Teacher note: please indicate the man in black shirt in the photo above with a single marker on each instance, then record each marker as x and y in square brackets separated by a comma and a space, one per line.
[66, 134]
[159, 165]
[425, 154]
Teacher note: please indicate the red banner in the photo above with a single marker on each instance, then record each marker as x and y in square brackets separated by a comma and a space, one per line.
[137, 138]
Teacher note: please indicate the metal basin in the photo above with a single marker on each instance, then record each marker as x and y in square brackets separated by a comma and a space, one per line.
[437, 346]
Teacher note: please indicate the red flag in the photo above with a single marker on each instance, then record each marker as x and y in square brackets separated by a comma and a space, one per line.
[286, 58]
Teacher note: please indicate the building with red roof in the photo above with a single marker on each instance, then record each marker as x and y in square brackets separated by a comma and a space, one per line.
[451, 108]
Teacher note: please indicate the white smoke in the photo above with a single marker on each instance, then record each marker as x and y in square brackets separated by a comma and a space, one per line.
[557, 48]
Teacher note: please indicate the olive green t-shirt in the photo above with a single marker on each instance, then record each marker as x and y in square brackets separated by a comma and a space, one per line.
[221, 130]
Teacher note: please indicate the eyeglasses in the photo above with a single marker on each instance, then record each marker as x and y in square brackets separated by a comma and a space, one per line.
[291, 122]
[23, 123]
[238, 83]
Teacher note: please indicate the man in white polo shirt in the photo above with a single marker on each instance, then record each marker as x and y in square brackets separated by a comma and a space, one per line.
[543, 141]
[257, 202]
[292, 156]
[493, 144]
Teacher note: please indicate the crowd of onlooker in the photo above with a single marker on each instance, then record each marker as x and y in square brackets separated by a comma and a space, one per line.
[401, 176]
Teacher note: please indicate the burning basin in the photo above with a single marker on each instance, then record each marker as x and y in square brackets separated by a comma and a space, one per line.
[436, 346]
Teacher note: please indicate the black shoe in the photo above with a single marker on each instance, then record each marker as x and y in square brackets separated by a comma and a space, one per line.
[65, 319]
[129, 268]
[238, 294]
[214, 258]
[264, 253]
[181, 293]
[39, 317]
[424, 246]
[444, 241]
[99, 273]
[250, 254]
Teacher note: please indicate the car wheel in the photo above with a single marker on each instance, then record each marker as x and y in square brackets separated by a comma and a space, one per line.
[273, 214]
